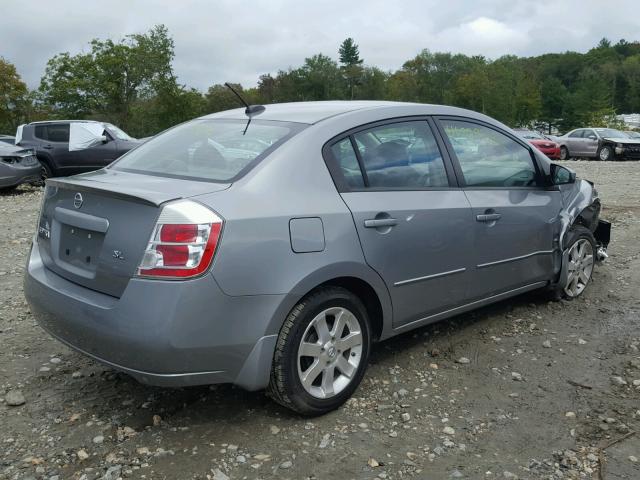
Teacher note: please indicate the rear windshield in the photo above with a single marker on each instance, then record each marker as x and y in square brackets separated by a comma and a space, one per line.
[208, 149]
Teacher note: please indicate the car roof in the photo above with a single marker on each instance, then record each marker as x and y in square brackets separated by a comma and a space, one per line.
[314, 112]
[44, 122]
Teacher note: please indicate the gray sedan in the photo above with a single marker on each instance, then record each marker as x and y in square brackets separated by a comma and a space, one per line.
[17, 166]
[599, 143]
[273, 254]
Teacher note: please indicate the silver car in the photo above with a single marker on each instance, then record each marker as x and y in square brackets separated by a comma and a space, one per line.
[272, 254]
[17, 166]
[599, 143]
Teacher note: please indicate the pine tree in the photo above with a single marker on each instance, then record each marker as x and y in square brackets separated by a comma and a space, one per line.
[350, 64]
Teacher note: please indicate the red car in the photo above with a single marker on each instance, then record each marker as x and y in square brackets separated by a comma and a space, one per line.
[550, 148]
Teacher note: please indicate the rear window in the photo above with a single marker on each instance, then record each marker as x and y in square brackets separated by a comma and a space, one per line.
[212, 150]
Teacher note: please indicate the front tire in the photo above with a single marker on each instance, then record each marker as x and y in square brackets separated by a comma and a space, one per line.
[582, 249]
[564, 153]
[321, 353]
[605, 153]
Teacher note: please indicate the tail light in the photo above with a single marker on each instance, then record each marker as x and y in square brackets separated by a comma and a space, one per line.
[183, 242]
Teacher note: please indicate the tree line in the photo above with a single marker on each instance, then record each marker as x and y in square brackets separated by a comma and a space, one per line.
[131, 83]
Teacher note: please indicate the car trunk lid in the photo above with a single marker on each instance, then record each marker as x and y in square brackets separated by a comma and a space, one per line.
[94, 228]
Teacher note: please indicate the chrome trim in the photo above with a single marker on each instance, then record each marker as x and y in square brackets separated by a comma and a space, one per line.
[514, 259]
[428, 277]
[469, 306]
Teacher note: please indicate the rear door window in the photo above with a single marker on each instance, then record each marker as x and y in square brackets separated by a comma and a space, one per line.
[401, 155]
[208, 149]
[41, 132]
[348, 162]
[488, 158]
[58, 133]
[576, 134]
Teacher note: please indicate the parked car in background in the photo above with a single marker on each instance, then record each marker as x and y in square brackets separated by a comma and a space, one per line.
[17, 166]
[96, 146]
[277, 261]
[547, 146]
[8, 139]
[632, 133]
[599, 143]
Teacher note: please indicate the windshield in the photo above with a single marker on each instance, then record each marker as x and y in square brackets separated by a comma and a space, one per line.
[611, 133]
[208, 149]
[530, 135]
[118, 133]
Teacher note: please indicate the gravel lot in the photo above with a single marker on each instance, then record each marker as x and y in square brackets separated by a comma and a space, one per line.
[522, 389]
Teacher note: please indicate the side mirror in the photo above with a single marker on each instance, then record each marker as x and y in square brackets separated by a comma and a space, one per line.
[104, 139]
[561, 175]
[592, 137]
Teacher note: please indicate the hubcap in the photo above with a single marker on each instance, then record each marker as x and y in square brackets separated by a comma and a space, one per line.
[330, 352]
[563, 153]
[580, 267]
[605, 153]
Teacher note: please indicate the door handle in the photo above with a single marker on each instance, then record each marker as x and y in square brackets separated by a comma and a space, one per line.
[380, 222]
[48, 147]
[488, 217]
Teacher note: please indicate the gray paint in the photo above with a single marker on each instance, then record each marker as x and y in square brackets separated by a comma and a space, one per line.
[435, 261]
[19, 166]
[307, 235]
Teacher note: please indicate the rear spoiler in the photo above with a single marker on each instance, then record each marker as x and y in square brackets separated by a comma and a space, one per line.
[136, 195]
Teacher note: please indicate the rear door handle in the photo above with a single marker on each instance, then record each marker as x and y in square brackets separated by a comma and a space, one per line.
[488, 217]
[380, 222]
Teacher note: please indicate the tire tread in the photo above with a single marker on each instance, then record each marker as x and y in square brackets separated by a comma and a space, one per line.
[276, 389]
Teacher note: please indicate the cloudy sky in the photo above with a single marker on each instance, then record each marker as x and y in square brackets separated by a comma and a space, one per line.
[224, 40]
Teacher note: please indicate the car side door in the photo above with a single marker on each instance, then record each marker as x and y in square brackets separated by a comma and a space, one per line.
[591, 142]
[574, 142]
[412, 219]
[55, 142]
[516, 215]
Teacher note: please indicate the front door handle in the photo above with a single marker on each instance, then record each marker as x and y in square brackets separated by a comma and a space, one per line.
[488, 217]
[48, 147]
[380, 222]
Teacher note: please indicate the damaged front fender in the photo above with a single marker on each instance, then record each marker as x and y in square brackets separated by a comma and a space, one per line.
[581, 207]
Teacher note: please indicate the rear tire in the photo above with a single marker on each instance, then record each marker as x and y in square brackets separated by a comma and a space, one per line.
[322, 352]
[564, 153]
[45, 171]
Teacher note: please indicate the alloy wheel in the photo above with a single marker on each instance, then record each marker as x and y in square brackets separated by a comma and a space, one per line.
[580, 267]
[330, 352]
[605, 154]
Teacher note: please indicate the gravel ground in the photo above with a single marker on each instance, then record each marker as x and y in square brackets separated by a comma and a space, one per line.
[521, 389]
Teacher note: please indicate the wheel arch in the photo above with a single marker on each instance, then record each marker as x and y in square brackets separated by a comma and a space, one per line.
[46, 159]
[359, 279]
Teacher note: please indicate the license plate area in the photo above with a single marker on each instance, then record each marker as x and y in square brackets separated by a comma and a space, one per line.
[80, 248]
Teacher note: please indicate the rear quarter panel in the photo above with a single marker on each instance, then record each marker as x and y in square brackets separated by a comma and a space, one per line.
[255, 255]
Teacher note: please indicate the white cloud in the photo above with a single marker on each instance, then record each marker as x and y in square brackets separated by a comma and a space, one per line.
[227, 40]
[482, 36]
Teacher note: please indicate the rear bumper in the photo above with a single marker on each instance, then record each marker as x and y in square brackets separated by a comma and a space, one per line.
[11, 176]
[160, 332]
